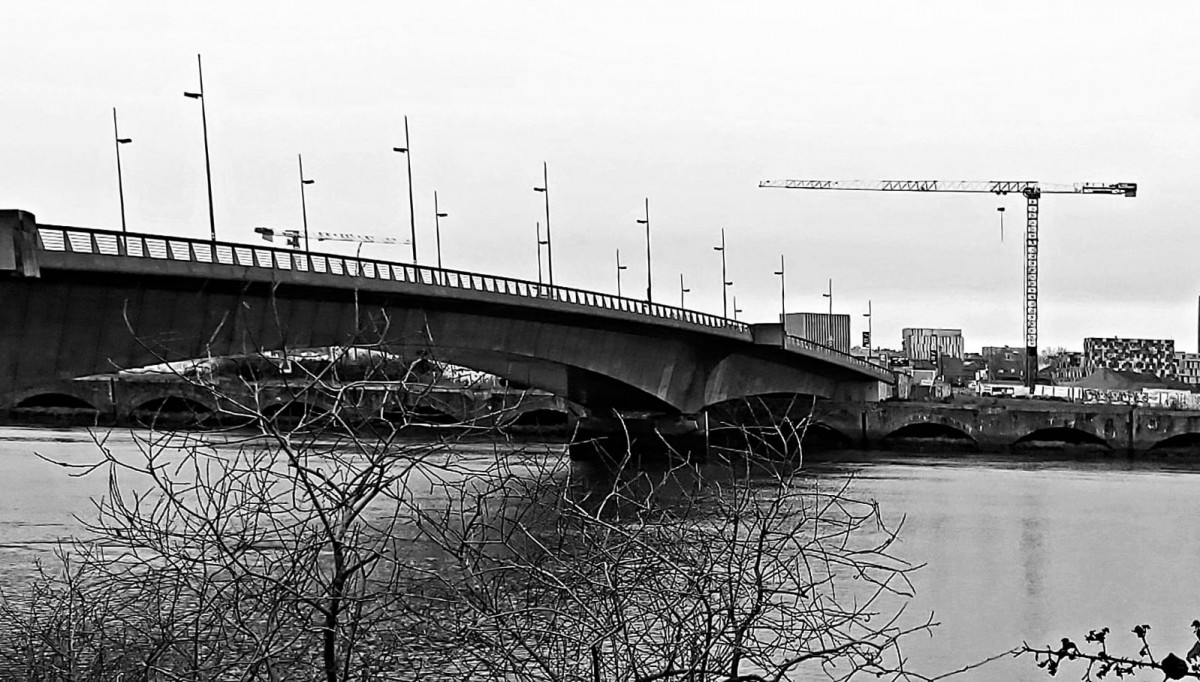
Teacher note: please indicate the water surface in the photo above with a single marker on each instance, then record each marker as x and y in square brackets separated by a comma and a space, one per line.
[1015, 548]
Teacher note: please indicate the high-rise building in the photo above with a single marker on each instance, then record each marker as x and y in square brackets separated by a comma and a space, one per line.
[919, 343]
[1188, 365]
[823, 328]
[1147, 356]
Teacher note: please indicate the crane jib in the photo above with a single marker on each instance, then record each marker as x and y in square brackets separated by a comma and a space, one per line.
[1128, 189]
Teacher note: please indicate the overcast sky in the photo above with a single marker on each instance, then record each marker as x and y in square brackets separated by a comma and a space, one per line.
[688, 103]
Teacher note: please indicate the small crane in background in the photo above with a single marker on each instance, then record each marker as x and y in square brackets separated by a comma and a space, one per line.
[1030, 189]
[359, 238]
[292, 237]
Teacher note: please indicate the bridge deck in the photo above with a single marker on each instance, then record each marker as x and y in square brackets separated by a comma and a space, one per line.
[69, 248]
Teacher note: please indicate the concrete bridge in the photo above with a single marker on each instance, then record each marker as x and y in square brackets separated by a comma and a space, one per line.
[79, 302]
[997, 425]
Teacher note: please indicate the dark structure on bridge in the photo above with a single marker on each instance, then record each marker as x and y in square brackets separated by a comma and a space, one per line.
[79, 302]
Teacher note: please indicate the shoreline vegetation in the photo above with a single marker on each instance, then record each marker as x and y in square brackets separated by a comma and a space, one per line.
[275, 557]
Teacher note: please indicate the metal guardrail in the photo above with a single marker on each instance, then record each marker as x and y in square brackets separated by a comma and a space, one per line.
[835, 355]
[132, 245]
[109, 243]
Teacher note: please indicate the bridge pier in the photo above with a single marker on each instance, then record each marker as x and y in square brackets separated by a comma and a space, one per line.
[18, 243]
[643, 441]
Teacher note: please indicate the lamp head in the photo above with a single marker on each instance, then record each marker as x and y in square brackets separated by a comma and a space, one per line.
[402, 150]
[193, 95]
[124, 140]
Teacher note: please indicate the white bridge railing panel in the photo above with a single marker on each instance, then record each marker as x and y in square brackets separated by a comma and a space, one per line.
[123, 245]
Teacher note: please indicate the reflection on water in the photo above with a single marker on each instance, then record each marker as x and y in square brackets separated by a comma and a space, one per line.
[1015, 548]
[1037, 549]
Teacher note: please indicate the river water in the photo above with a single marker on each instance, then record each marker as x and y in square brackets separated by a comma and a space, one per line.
[1015, 548]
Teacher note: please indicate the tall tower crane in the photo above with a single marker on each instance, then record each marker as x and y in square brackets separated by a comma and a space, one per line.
[1032, 191]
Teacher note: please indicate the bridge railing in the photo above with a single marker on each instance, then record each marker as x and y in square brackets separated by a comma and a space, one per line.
[132, 245]
[814, 348]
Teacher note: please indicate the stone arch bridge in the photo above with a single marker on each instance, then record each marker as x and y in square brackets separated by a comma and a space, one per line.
[138, 398]
[1004, 424]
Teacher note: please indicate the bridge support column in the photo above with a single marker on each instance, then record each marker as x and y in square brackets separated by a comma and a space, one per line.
[18, 243]
[642, 442]
[1129, 449]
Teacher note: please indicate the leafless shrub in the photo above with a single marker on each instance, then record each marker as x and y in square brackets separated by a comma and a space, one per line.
[310, 547]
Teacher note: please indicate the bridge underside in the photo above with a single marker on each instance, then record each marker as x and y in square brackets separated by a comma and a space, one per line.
[66, 324]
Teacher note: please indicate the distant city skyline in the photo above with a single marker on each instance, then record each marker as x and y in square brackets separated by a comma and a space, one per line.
[690, 105]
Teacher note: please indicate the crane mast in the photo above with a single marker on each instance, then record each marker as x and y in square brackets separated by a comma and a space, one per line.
[1030, 189]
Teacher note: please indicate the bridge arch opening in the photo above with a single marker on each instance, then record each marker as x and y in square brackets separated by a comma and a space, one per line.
[55, 401]
[172, 408]
[824, 437]
[774, 426]
[296, 412]
[1060, 437]
[428, 415]
[1179, 443]
[929, 435]
[542, 417]
[767, 408]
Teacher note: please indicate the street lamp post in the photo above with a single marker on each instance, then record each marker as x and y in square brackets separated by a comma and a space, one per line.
[682, 290]
[212, 221]
[829, 295]
[782, 296]
[1000, 210]
[736, 309]
[303, 203]
[540, 242]
[620, 267]
[725, 283]
[406, 150]
[120, 183]
[870, 336]
[545, 189]
[437, 227]
[646, 222]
